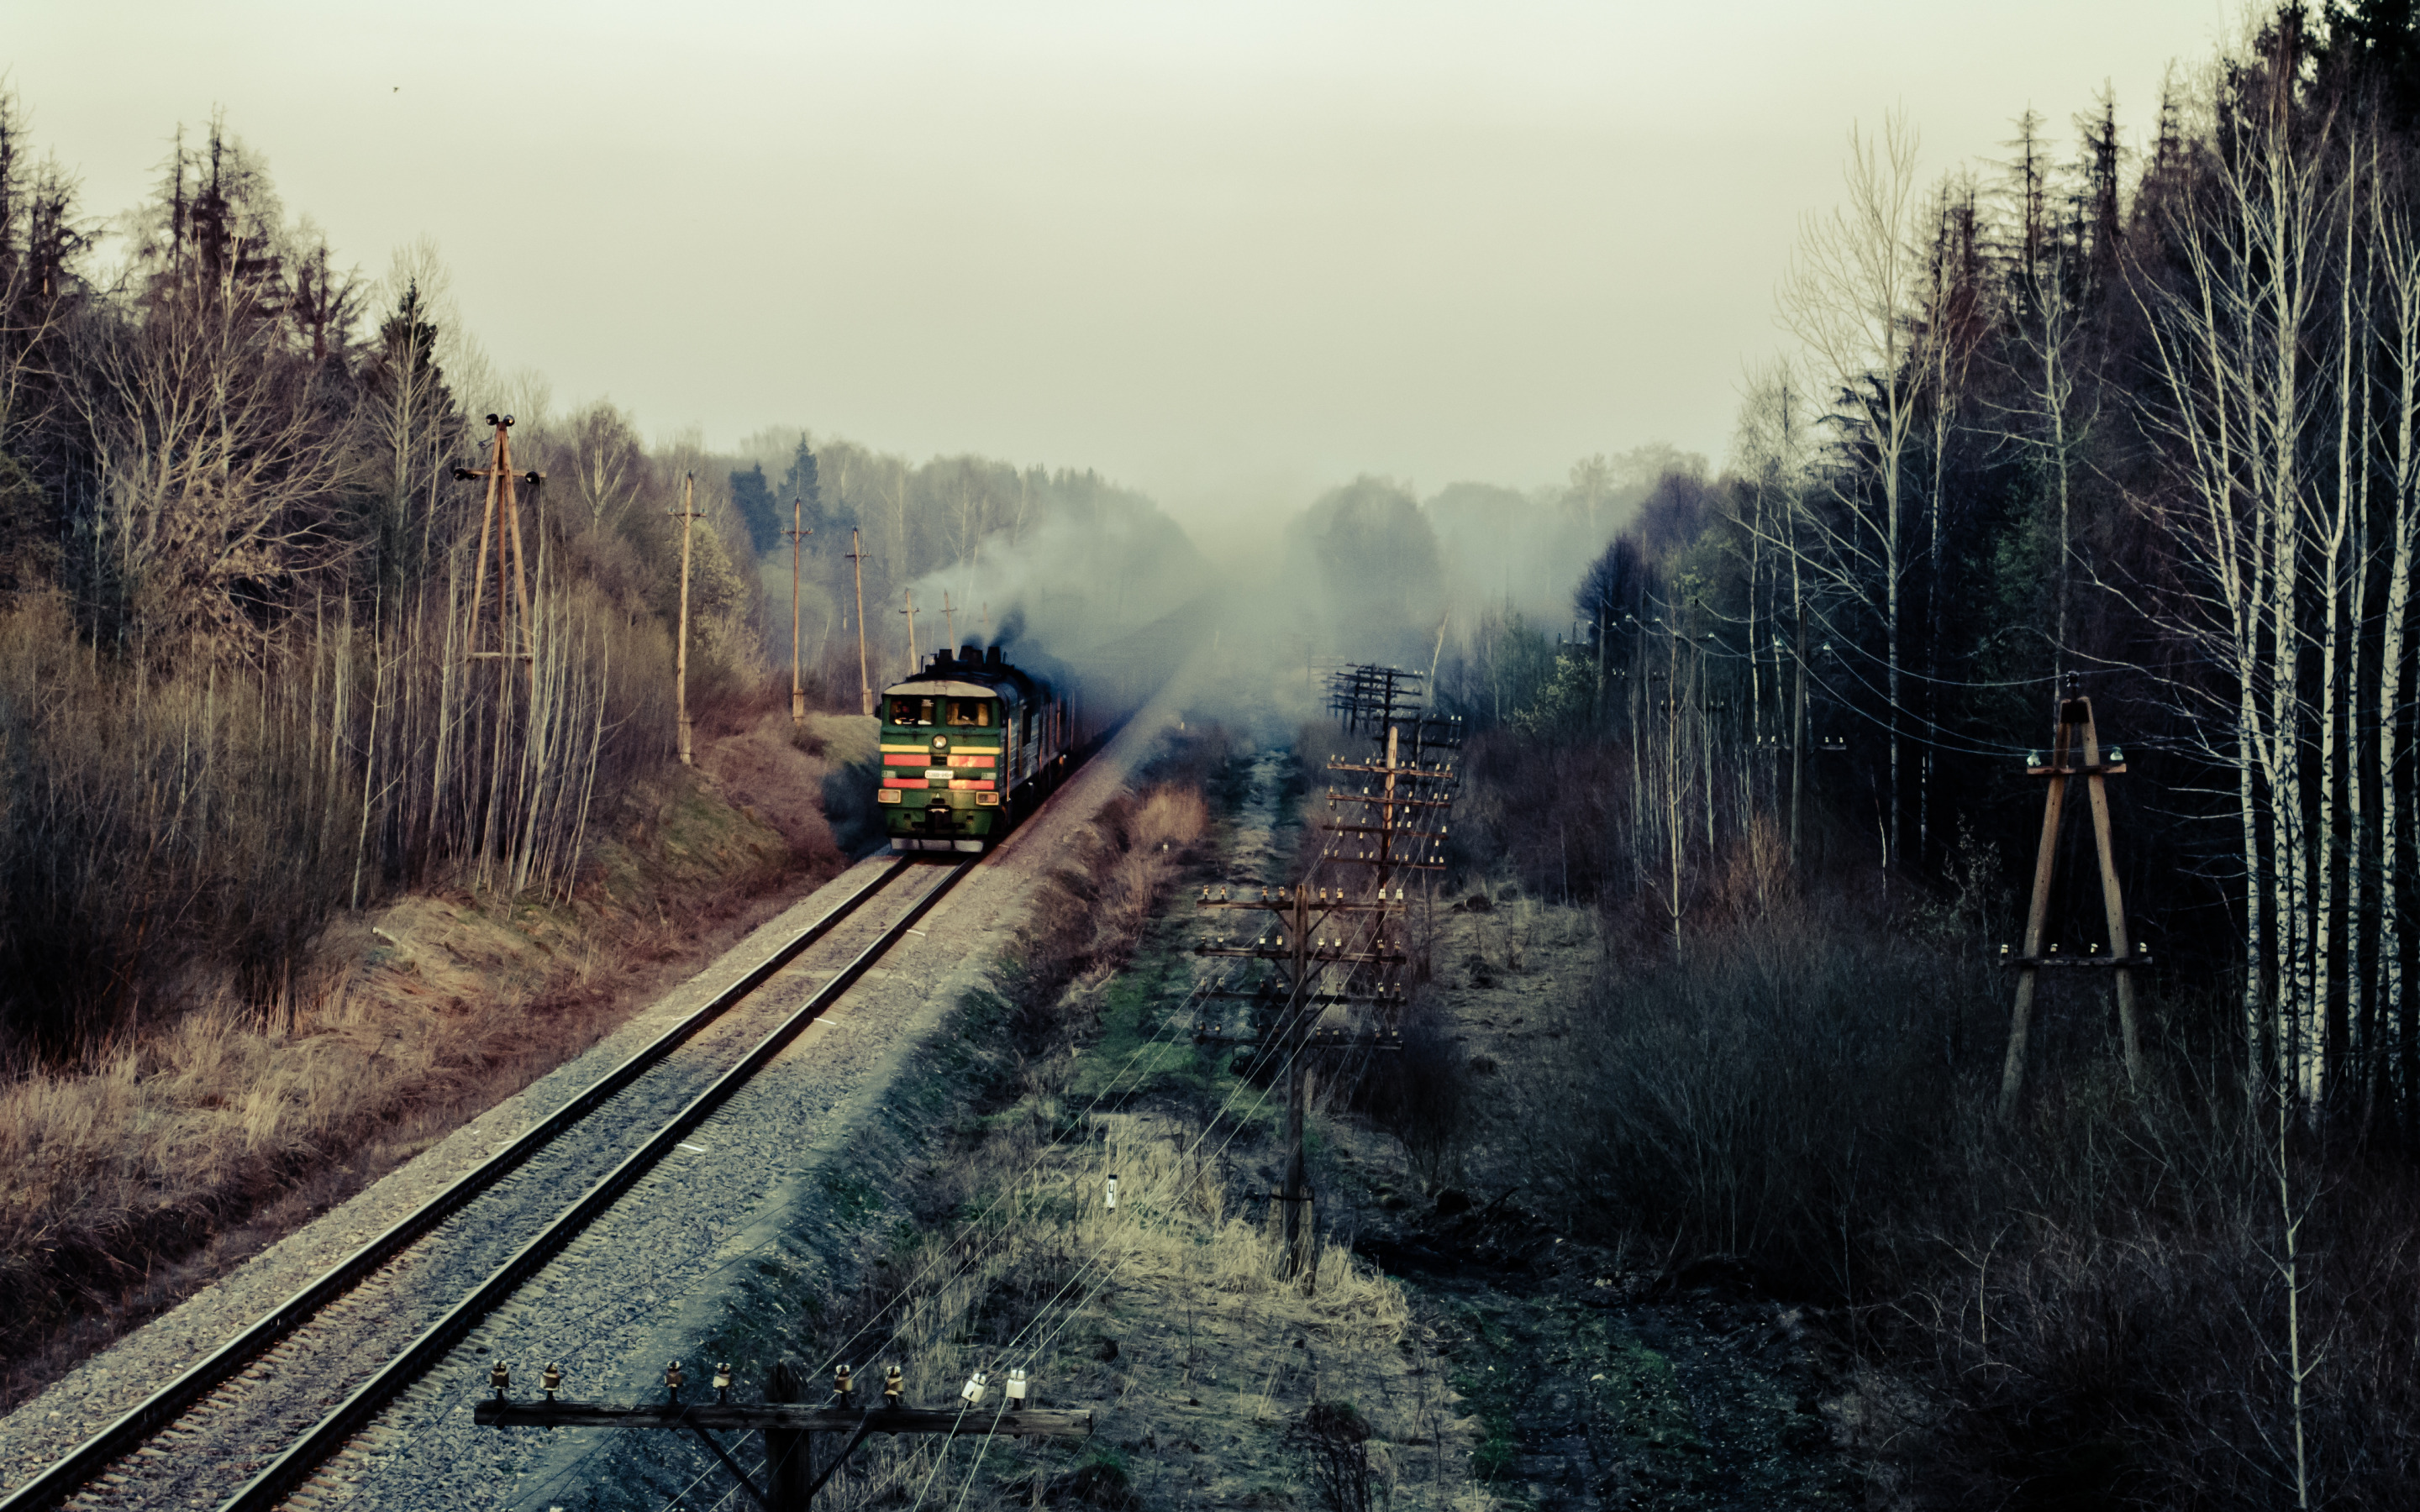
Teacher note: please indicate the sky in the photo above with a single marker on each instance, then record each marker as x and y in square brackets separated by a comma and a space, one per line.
[1230, 253]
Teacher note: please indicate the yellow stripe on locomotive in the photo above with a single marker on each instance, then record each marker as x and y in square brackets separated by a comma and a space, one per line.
[969, 743]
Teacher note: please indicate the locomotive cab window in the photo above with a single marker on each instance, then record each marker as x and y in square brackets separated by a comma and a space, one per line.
[971, 712]
[912, 711]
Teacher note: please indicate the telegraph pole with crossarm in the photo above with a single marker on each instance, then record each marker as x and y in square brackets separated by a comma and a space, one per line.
[788, 1427]
[2076, 751]
[1391, 812]
[798, 534]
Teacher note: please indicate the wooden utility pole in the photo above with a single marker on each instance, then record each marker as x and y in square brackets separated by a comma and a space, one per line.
[2074, 735]
[516, 638]
[788, 1429]
[798, 542]
[1798, 743]
[949, 620]
[1393, 813]
[910, 613]
[864, 681]
[687, 515]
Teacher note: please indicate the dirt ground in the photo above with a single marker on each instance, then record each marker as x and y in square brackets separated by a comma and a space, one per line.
[1577, 1377]
[1508, 1365]
[1602, 1379]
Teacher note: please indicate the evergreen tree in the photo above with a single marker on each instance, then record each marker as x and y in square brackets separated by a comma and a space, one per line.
[801, 482]
[753, 498]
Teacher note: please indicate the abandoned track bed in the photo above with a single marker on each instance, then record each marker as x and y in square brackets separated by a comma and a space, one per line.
[279, 1402]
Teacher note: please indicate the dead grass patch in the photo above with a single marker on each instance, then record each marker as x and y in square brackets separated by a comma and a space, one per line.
[1174, 1313]
[135, 1173]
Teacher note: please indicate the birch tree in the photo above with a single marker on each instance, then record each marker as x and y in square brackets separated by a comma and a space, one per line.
[2400, 278]
[2230, 337]
[1850, 298]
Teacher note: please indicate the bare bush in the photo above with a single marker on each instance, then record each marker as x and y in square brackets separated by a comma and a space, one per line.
[2094, 1304]
[1335, 1444]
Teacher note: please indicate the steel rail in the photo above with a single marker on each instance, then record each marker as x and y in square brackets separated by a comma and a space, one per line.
[289, 1469]
[53, 1486]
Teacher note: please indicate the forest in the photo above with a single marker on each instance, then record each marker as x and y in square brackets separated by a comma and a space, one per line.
[2141, 426]
[240, 585]
[2137, 427]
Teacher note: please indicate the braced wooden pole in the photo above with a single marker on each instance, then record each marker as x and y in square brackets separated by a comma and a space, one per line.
[2112, 905]
[2013, 1073]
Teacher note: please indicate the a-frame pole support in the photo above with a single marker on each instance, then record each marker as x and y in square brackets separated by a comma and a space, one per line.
[2112, 905]
[2076, 751]
[2012, 1074]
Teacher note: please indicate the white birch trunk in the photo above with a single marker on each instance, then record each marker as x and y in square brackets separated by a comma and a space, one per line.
[2404, 289]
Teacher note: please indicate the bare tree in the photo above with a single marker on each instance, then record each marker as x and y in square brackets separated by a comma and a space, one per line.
[217, 459]
[1851, 300]
[2400, 277]
[608, 466]
[2231, 340]
[1771, 453]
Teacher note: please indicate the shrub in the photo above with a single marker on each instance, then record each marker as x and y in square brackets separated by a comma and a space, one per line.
[1335, 1444]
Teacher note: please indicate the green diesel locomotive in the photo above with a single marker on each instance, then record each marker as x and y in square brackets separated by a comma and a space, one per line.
[969, 745]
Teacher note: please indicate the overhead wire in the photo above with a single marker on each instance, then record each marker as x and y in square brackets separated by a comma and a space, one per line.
[1304, 990]
[1964, 747]
[1301, 1044]
[1170, 1029]
[1831, 629]
[1113, 1086]
[1305, 1004]
[750, 1253]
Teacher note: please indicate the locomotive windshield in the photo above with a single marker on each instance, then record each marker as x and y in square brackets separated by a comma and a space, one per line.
[912, 711]
[970, 711]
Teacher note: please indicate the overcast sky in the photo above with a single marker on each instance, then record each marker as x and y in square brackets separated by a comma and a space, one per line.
[1230, 253]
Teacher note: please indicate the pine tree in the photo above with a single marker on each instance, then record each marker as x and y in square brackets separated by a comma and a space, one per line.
[753, 498]
[803, 482]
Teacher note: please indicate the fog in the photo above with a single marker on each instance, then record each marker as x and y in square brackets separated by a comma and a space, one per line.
[1229, 255]
[1337, 327]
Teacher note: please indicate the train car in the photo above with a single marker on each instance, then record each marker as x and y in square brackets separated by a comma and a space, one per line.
[969, 745]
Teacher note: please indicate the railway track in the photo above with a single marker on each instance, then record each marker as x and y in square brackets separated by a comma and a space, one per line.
[254, 1420]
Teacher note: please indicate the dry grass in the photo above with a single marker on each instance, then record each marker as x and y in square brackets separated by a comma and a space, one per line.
[1089, 910]
[155, 1158]
[152, 1142]
[2083, 1309]
[1173, 1313]
[1157, 831]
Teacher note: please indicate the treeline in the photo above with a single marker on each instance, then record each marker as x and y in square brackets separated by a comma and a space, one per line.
[1057, 561]
[1372, 571]
[244, 683]
[2147, 423]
